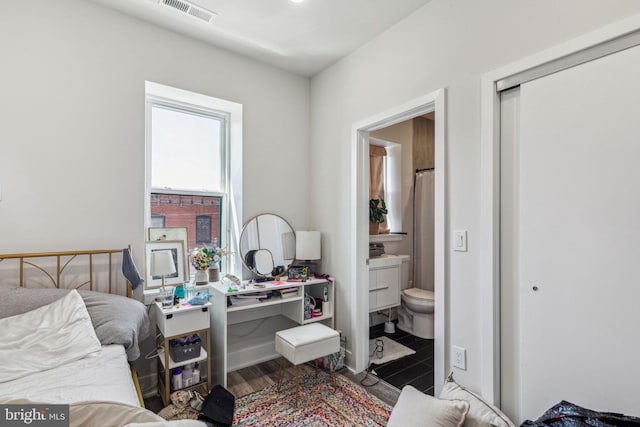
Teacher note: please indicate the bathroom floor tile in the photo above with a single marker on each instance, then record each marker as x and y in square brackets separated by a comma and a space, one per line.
[423, 382]
[424, 354]
[416, 369]
[393, 367]
[407, 375]
[399, 334]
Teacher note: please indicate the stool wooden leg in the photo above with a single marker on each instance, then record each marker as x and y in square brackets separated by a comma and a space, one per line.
[316, 363]
[332, 370]
[281, 374]
[297, 386]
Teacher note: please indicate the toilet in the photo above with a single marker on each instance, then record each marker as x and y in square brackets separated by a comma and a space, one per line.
[415, 314]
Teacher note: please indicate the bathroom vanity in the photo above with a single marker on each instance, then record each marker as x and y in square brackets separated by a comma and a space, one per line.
[384, 282]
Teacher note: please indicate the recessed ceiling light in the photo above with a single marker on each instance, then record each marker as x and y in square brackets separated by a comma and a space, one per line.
[297, 1]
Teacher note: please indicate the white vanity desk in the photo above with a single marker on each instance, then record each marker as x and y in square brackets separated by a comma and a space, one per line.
[244, 335]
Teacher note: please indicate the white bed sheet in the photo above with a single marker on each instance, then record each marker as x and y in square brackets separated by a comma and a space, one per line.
[103, 375]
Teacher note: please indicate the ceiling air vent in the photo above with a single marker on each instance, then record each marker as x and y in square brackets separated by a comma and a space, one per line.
[190, 9]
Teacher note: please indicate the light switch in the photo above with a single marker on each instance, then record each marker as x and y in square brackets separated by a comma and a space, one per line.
[460, 240]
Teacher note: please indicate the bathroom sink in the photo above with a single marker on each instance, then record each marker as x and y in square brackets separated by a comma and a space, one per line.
[386, 260]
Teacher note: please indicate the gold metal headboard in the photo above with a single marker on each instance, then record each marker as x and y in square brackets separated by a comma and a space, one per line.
[38, 260]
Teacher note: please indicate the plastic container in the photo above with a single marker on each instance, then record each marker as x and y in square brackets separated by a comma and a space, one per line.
[176, 379]
[187, 376]
[178, 291]
[196, 374]
[182, 349]
[189, 291]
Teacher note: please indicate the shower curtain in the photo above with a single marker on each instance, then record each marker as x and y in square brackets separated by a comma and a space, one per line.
[423, 224]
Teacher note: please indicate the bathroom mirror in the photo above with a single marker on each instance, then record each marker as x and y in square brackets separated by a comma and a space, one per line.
[270, 232]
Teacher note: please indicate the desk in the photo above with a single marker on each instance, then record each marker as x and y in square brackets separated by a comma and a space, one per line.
[244, 335]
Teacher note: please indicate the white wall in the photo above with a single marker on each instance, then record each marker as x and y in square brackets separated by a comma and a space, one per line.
[72, 86]
[446, 44]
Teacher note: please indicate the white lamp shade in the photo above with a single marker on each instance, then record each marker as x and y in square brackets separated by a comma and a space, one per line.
[308, 245]
[162, 263]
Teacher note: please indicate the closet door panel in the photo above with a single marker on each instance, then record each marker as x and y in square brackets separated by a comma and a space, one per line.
[578, 242]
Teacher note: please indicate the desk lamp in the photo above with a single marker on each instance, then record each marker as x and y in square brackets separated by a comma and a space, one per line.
[308, 244]
[162, 264]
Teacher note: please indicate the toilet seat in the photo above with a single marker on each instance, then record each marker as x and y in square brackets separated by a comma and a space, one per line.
[417, 293]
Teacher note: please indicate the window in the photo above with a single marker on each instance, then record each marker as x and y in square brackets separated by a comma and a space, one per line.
[189, 153]
[157, 221]
[203, 230]
[389, 179]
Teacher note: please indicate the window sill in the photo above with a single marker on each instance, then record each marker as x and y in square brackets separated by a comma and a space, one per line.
[374, 238]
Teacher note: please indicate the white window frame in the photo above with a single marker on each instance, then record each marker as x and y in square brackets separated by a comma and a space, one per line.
[392, 176]
[231, 151]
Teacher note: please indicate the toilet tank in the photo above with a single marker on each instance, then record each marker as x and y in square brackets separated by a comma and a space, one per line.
[405, 275]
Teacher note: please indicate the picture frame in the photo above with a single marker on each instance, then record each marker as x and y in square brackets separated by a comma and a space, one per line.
[298, 273]
[172, 233]
[176, 279]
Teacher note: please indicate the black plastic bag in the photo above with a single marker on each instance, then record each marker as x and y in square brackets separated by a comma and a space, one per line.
[566, 414]
[218, 407]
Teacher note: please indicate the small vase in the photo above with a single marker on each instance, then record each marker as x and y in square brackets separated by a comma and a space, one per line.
[214, 274]
[202, 278]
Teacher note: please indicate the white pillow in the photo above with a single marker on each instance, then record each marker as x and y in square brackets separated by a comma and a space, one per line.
[46, 337]
[418, 409]
[481, 413]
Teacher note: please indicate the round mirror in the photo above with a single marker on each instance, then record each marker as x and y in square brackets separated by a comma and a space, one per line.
[270, 232]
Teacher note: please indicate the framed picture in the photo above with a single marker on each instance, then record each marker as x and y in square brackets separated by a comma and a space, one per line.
[172, 233]
[298, 273]
[177, 249]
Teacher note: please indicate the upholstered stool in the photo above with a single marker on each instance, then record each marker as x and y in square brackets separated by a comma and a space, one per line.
[304, 343]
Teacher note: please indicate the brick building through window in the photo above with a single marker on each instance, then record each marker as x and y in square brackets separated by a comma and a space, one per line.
[200, 214]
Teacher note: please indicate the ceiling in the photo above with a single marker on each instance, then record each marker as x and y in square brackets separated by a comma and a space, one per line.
[303, 38]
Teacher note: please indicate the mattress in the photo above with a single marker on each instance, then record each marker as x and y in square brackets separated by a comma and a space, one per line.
[103, 375]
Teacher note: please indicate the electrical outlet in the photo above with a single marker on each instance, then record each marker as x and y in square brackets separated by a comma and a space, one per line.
[459, 358]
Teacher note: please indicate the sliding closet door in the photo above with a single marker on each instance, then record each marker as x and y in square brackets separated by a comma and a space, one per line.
[509, 282]
[576, 231]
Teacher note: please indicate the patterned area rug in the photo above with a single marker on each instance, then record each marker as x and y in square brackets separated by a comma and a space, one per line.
[319, 404]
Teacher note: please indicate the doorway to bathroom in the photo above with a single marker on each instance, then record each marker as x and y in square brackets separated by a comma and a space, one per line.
[401, 168]
[425, 366]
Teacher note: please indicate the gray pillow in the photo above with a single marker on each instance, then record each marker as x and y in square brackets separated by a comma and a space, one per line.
[481, 413]
[418, 409]
[116, 319]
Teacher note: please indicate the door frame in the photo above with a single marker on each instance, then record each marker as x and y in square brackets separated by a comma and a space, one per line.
[490, 187]
[432, 102]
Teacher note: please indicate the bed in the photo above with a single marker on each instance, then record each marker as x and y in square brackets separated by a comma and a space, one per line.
[70, 335]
